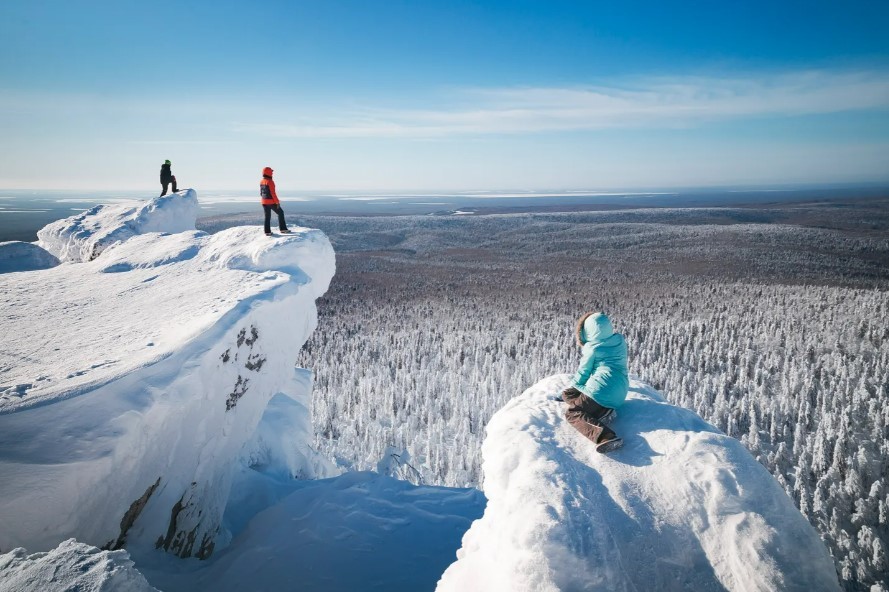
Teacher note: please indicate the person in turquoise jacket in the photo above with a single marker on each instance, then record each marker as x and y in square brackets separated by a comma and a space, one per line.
[601, 382]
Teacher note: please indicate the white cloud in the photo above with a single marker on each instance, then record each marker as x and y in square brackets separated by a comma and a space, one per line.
[639, 102]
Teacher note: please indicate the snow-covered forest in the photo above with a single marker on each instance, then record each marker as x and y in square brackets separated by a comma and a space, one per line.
[769, 323]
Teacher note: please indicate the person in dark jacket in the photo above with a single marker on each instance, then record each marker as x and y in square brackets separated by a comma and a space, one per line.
[600, 384]
[167, 177]
[270, 203]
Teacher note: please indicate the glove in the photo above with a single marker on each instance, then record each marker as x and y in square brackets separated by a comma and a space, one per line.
[570, 393]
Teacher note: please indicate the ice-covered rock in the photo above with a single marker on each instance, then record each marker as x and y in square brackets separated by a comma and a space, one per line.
[83, 237]
[680, 507]
[70, 566]
[19, 256]
[132, 384]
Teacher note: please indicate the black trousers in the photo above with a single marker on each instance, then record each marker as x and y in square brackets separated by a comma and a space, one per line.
[282, 225]
[165, 184]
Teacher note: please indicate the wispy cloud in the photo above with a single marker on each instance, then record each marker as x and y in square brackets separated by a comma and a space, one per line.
[640, 102]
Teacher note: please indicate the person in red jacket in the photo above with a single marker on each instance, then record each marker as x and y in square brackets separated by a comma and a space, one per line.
[270, 203]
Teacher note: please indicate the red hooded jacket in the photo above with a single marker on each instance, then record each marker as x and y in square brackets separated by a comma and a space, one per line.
[267, 194]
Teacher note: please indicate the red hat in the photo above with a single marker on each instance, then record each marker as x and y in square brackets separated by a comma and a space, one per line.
[267, 171]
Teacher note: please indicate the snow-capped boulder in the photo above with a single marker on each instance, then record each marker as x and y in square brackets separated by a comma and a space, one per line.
[133, 382]
[20, 256]
[70, 566]
[680, 507]
[83, 237]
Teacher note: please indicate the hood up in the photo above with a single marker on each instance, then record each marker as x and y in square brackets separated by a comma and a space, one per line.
[593, 327]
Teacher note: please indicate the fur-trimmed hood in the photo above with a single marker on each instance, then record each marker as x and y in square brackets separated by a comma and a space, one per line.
[593, 327]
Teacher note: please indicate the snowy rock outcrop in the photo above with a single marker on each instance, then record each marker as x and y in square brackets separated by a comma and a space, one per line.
[83, 237]
[680, 507]
[71, 566]
[132, 384]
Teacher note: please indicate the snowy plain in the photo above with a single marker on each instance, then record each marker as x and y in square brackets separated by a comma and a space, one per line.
[151, 403]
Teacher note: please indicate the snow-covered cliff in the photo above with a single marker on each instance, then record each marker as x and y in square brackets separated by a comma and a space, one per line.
[149, 400]
[136, 377]
[680, 507]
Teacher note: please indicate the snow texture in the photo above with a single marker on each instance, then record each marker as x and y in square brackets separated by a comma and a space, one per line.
[19, 256]
[83, 237]
[680, 507]
[360, 531]
[135, 382]
[70, 566]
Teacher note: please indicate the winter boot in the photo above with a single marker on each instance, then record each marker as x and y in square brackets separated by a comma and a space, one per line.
[608, 441]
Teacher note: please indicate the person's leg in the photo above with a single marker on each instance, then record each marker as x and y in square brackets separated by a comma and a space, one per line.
[164, 192]
[268, 218]
[282, 224]
[572, 396]
[580, 415]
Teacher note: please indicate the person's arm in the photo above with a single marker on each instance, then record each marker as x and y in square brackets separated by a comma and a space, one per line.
[585, 368]
[272, 191]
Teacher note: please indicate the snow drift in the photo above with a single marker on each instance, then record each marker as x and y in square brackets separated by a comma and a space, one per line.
[680, 507]
[136, 381]
[19, 256]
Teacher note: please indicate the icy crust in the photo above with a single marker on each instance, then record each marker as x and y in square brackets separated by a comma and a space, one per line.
[135, 382]
[70, 566]
[83, 237]
[680, 507]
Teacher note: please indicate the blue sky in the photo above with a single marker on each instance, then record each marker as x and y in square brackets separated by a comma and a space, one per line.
[404, 95]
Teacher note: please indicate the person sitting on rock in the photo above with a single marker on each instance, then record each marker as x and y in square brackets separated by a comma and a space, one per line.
[269, 199]
[600, 385]
[167, 177]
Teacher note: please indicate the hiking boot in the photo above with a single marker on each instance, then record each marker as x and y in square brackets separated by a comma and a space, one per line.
[268, 234]
[285, 231]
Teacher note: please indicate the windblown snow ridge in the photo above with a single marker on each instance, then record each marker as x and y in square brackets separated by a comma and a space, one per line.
[139, 372]
[83, 237]
[680, 507]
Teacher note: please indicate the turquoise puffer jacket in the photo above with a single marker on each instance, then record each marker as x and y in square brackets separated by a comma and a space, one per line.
[602, 374]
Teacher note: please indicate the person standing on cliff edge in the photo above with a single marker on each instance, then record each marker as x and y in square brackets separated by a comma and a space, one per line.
[270, 203]
[167, 177]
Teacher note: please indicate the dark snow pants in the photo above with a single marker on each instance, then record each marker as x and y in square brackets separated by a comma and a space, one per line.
[583, 413]
[166, 183]
[282, 225]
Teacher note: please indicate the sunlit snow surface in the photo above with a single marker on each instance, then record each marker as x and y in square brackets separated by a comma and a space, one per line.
[148, 399]
[70, 567]
[680, 507]
[133, 385]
